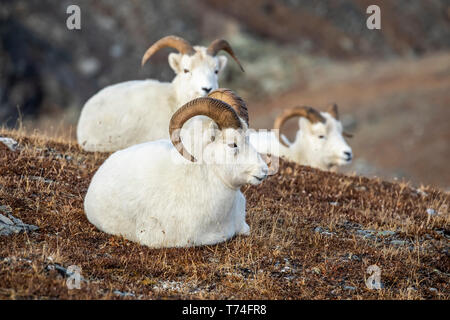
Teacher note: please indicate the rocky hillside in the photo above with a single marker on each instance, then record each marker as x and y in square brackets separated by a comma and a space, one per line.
[47, 69]
[313, 236]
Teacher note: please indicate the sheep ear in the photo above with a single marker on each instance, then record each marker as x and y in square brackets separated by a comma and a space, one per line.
[175, 61]
[222, 62]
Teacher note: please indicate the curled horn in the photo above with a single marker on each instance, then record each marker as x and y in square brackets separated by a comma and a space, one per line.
[175, 42]
[233, 100]
[220, 44]
[222, 114]
[309, 113]
[333, 110]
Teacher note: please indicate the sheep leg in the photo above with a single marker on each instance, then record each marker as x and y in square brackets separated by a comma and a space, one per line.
[242, 227]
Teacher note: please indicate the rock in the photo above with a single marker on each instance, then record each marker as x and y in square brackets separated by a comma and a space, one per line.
[431, 212]
[323, 231]
[10, 143]
[421, 192]
[123, 294]
[5, 220]
[316, 270]
[41, 179]
[370, 233]
[349, 288]
[11, 225]
[285, 269]
[366, 233]
[60, 269]
[385, 233]
[398, 242]
[354, 257]
[89, 66]
[116, 51]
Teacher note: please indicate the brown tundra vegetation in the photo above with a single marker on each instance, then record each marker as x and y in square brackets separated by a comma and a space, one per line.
[313, 236]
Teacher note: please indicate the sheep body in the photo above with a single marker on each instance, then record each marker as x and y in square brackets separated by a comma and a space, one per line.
[155, 209]
[120, 115]
[150, 194]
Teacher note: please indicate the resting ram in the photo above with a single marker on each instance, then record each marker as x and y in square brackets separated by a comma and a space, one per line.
[133, 112]
[160, 195]
[319, 142]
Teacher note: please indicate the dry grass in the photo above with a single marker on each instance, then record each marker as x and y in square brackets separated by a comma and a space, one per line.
[313, 235]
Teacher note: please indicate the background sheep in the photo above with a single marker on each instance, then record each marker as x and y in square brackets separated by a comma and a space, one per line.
[150, 194]
[133, 112]
[319, 142]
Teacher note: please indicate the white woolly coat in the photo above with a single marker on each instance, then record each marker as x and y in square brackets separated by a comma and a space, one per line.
[119, 115]
[148, 199]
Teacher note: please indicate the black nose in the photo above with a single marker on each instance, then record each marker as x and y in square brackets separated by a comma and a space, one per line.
[348, 154]
[207, 90]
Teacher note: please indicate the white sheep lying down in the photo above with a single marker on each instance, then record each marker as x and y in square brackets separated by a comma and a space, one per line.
[150, 194]
[319, 142]
[133, 112]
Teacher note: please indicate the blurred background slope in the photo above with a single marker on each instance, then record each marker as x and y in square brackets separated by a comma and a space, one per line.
[392, 85]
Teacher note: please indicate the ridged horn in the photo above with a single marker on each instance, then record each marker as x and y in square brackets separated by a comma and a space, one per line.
[309, 113]
[183, 46]
[220, 112]
[233, 100]
[221, 44]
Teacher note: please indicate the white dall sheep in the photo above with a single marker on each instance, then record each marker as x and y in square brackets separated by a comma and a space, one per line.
[138, 111]
[319, 142]
[150, 194]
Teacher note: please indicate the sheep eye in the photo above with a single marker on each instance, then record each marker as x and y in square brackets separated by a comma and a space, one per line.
[186, 70]
[232, 145]
[321, 137]
[216, 72]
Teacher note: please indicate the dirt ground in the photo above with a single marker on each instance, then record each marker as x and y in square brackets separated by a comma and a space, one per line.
[313, 236]
[399, 111]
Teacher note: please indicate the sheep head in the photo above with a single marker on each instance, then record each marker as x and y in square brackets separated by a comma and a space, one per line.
[319, 141]
[226, 145]
[196, 68]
